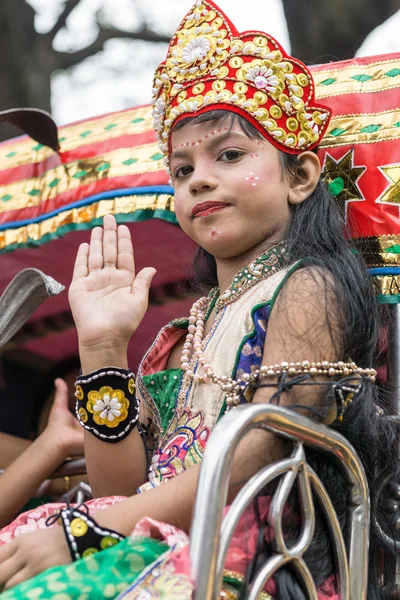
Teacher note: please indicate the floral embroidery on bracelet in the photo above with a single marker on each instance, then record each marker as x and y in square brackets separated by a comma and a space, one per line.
[108, 406]
[182, 448]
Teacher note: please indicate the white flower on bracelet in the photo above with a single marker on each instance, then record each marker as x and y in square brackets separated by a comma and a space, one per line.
[108, 407]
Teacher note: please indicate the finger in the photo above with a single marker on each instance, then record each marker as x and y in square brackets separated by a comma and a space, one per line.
[110, 241]
[6, 551]
[20, 577]
[95, 261]
[142, 282]
[126, 258]
[81, 262]
[8, 569]
[61, 395]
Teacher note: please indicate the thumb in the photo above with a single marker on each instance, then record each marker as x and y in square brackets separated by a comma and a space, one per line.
[61, 395]
[142, 282]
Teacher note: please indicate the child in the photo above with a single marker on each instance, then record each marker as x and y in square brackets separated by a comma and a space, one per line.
[238, 123]
[60, 438]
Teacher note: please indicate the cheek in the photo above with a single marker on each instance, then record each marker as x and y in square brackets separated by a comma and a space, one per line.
[252, 179]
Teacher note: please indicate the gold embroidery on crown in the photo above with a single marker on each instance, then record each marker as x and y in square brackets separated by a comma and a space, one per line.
[208, 64]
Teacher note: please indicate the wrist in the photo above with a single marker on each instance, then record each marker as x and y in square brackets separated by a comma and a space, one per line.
[106, 354]
[106, 404]
[49, 444]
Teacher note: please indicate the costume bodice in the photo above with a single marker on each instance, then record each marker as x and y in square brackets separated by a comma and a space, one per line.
[184, 411]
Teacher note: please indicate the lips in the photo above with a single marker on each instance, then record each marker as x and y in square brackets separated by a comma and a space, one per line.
[204, 209]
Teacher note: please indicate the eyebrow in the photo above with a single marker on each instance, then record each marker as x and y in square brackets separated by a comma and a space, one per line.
[211, 142]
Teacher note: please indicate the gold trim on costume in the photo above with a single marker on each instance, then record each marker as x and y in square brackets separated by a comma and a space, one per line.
[118, 206]
[65, 178]
[380, 251]
[388, 285]
[362, 129]
[357, 79]
[25, 151]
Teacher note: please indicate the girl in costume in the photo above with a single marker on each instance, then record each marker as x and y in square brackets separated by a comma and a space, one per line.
[290, 302]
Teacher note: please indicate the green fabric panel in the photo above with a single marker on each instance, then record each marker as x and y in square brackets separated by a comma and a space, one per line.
[35, 502]
[163, 388]
[102, 575]
[386, 299]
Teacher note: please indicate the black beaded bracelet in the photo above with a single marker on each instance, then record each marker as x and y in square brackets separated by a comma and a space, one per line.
[106, 403]
[83, 535]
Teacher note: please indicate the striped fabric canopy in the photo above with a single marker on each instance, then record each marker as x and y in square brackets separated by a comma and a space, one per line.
[112, 164]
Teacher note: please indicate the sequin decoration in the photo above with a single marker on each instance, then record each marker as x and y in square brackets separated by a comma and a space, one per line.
[261, 267]
[342, 176]
[211, 65]
[108, 406]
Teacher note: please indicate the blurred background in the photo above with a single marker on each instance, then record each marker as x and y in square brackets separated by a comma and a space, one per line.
[81, 58]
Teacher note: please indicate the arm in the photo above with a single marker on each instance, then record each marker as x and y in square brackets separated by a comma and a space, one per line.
[61, 437]
[108, 302]
[298, 329]
[11, 447]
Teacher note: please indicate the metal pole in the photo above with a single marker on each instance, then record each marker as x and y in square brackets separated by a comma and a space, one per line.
[394, 357]
[393, 379]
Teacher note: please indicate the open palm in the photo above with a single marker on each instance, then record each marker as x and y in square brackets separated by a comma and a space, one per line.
[108, 300]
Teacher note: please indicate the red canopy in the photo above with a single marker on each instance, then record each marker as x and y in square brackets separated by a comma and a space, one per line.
[111, 164]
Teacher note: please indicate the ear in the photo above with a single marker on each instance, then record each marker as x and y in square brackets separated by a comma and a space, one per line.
[304, 181]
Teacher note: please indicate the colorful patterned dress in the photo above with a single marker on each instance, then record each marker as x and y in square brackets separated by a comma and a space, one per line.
[153, 562]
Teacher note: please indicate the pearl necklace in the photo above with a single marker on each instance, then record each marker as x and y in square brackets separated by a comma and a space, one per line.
[234, 388]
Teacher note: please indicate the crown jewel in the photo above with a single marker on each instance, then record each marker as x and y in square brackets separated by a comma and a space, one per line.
[210, 65]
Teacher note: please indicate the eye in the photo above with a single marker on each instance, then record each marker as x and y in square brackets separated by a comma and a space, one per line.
[182, 171]
[230, 155]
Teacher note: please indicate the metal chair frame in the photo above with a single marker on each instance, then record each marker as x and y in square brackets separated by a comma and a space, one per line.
[211, 535]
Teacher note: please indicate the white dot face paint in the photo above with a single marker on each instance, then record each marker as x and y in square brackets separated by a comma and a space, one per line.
[252, 179]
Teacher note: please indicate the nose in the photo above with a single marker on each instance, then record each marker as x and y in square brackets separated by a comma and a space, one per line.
[202, 180]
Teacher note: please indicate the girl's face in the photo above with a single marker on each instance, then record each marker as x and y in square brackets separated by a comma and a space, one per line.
[230, 192]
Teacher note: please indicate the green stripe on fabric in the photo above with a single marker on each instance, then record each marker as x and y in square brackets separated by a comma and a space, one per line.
[136, 217]
[388, 299]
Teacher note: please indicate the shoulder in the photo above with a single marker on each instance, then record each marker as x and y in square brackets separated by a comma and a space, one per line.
[308, 307]
[313, 284]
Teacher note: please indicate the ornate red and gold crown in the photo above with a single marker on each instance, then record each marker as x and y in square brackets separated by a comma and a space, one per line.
[211, 65]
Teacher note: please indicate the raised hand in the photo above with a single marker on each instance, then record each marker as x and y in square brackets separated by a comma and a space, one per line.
[108, 300]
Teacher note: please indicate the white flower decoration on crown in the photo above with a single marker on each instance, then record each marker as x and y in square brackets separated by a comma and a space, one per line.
[210, 65]
[263, 78]
[196, 49]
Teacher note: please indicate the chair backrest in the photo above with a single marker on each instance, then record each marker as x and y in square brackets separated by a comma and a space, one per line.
[211, 534]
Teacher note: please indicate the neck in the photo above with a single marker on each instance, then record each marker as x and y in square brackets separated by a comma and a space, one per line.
[228, 267]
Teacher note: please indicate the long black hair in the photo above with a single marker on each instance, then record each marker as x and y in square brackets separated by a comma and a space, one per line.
[316, 235]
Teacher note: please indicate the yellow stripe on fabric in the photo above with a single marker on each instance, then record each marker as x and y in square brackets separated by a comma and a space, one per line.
[362, 129]
[356, 79]
[26, 151]
[76, 217]
[65, 178]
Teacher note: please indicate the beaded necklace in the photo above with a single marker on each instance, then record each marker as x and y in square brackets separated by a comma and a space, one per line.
[262, 267]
